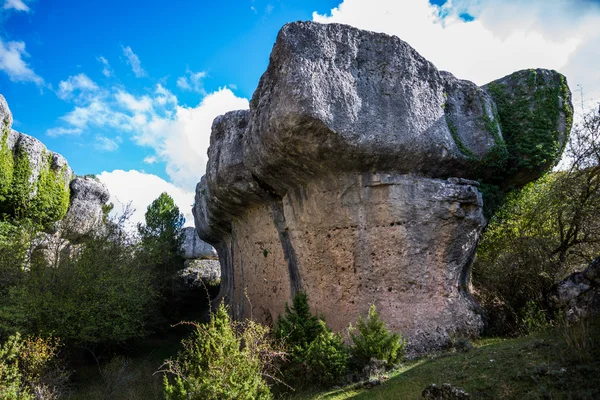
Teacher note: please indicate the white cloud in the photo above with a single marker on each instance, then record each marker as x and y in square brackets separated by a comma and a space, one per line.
[192, 81]
[141, 189]
[132, 103]
[18, 5]
[181, 139]
[60, 131]
[106, 70]
[81, 83]
[183, 83]
[179, 135]
[12, 63]
[104, 143]
[134, 61]
[506, 35]
[150, 160]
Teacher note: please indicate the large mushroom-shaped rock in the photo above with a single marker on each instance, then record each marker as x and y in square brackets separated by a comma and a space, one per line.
[353, 177]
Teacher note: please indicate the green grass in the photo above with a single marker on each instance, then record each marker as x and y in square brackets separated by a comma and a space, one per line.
[540, 366]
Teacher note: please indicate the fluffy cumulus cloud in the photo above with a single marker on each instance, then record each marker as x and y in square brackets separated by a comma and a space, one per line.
[178, 135]
[13, 64]
[134, 62]
[139, 190]
[499, 37]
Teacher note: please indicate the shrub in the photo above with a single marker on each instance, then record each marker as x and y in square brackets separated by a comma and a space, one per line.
[373, 340]
[11, 379]
[533, 318]
[542, 233]
[98, 295]
[222, 360]
[29, 368]
[327, 357]
[315, 353]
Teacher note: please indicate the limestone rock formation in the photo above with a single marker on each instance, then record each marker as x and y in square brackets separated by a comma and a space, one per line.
[88, 195]
[194, 248]
[578, 295]
[38, 183]
[197, 273]
[352, 177]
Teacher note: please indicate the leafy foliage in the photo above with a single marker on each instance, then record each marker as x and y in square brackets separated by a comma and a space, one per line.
[222, 360]
[17, 199]
[161, 240]
[99, 294]
[327, 357]
[544, 232]
[314, 351]
[29, 369]
[373, 340]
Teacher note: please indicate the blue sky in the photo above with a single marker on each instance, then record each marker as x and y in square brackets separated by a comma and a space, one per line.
[128, 89]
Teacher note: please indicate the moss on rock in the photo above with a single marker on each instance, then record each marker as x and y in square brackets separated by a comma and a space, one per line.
[535, 114]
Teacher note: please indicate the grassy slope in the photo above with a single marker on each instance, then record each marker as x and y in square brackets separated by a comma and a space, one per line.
[540, 366]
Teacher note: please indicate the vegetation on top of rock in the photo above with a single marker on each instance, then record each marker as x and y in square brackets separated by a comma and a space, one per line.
[531, 106]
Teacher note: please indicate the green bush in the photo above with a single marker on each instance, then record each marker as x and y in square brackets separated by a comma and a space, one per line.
[29, 369]
[222, 360]
[11, 379]
[315, 353]
[327, 357]
[97, 295]
[373, 340]
[544, 232]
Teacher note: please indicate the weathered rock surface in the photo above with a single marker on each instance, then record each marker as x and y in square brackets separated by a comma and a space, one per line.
[88, 195]
[194, 248]
[350, 178]
[197, 273]
[444, 392]
[578, 295]
[27, 166]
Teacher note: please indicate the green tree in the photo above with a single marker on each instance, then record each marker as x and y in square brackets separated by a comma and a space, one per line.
[161, 238]
[313, 350]
[371, 339]
[98, 294]
[222, 360]
[544, 232]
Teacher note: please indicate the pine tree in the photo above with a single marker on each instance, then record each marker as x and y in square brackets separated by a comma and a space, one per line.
[373, 340]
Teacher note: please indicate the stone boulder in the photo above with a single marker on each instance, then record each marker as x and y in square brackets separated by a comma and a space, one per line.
[444, 392]
[194, 248]
[352, 178]
[197, 273]
[85, 213]
[578, 295]
[27, 166]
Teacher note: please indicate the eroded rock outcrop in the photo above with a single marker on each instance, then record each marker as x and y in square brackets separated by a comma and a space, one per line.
[578, 295]
[201, 266]
[39, 184]
[352, 177]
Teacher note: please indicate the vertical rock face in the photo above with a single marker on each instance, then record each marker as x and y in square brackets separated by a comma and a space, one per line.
[351, 178]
